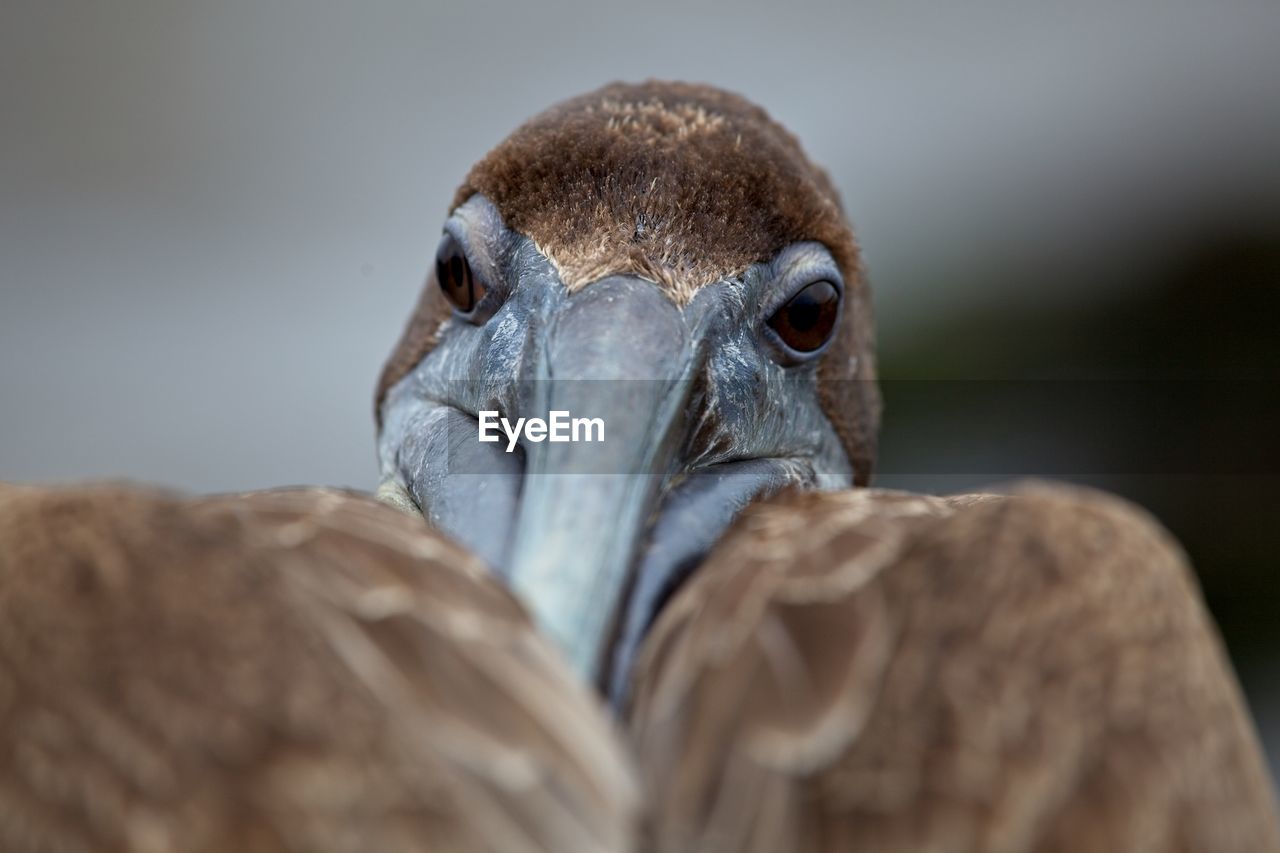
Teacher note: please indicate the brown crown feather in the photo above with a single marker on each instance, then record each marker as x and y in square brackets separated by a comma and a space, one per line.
[680, 184]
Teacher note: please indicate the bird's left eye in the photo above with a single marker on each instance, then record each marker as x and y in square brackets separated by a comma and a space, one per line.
[454, 274]
[807, 320]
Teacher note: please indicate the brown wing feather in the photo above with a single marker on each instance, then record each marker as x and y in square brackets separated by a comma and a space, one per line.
[301, 671]
[883, 672]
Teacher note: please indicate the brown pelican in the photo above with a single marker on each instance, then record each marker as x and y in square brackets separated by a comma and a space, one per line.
[837, 669]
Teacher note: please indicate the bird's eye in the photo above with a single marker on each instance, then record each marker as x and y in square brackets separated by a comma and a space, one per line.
[806, 321]
[460, 285]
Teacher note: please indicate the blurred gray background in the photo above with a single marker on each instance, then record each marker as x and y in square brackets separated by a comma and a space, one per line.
[215, 217]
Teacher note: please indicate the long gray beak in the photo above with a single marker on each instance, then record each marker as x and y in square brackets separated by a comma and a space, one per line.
[593, 535]
[618, 351]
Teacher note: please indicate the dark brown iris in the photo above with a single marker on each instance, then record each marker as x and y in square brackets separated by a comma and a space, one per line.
[807, 320]
[453, 272]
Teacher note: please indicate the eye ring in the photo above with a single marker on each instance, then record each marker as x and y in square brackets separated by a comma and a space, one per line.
[804, 324]
[457, 280]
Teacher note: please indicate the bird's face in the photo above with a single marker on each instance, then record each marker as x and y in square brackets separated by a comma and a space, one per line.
[703, 406]
[687, 402]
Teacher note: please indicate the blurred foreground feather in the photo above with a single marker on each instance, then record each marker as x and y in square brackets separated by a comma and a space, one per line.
[300, 670]
[882, 671]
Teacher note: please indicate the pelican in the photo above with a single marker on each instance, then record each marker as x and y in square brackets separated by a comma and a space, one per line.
[705, 632]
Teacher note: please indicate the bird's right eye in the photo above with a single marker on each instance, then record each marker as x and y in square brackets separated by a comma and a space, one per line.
[454, 274]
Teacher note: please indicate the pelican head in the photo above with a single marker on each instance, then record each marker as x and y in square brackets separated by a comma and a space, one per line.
[662, 265]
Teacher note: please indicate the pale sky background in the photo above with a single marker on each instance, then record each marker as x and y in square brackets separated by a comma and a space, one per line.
[214, 217]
